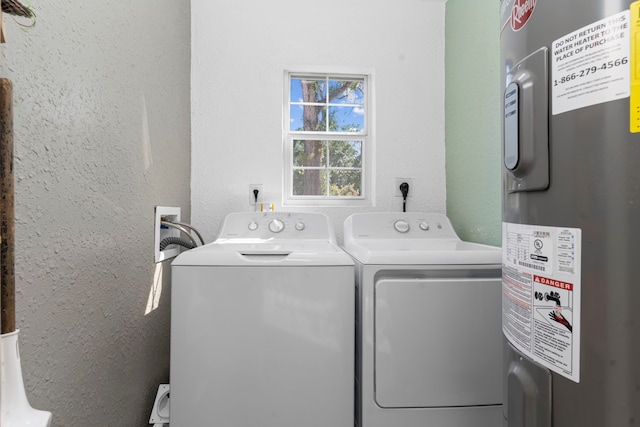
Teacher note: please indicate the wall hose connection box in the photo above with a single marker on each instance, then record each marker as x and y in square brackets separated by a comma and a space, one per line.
[162, 231]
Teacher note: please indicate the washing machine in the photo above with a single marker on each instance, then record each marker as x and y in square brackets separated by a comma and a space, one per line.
[262, 329]
[428, 333]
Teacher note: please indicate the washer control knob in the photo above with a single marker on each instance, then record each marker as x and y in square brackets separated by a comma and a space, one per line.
[401, 226]
[276, 226]
[424, 225]
[300, 226]
[253, 226]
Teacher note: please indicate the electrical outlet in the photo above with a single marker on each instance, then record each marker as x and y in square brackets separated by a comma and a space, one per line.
[252, 196]
[163, 231]
[397, 183]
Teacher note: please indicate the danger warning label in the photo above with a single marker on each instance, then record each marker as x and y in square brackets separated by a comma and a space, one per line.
[552, 282]
[541, 294]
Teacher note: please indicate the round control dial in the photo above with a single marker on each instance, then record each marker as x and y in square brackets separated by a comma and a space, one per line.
[276, 226]
[424, 225]
[300, 226]
[253, 226]
[401, 226]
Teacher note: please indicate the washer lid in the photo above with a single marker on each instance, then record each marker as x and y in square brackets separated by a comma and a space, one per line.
[411, 238]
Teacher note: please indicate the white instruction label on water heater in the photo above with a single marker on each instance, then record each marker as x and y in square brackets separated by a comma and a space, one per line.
[591, 65]
[541, 294]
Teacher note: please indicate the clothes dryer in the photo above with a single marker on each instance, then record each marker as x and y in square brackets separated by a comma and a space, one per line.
[262, 326]
[428, 333]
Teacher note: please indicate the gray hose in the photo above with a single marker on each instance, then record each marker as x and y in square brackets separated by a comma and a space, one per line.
[175, 241]
[190, 227]
[185, 230]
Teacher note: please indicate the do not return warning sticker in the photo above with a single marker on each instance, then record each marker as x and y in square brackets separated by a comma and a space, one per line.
[591, 65]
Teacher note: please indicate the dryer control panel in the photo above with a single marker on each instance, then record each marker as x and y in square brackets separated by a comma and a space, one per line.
[277, 225]
[405, 225]
[412, 238]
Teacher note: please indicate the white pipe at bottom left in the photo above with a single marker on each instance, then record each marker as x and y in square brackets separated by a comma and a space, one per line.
[15, 410]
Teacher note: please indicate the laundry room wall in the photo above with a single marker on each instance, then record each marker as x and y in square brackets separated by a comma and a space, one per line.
[102, 135]
[240, 51]
[473, 136]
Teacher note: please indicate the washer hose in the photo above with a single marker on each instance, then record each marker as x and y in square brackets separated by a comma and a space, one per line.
[175, 241]
[185, 230]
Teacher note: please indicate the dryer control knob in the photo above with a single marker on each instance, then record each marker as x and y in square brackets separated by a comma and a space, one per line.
[424, 225]
[401, 226]
[253, 226]
[300, 226]
[276, 226]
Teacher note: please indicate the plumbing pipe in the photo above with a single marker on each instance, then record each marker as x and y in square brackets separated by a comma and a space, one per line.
[7, 213]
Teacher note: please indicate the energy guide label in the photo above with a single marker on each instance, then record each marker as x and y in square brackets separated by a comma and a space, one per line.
[541, 294]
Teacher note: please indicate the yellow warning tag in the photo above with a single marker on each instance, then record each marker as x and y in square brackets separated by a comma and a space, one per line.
[634, 71]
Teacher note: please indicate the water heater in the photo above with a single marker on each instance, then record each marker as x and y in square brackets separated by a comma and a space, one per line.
[571, 212]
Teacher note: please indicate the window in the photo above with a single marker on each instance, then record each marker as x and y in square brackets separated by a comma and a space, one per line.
[327, 138]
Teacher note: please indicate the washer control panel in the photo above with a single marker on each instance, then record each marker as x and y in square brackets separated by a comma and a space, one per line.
[276, 225]
[401, 226]
[409, 225]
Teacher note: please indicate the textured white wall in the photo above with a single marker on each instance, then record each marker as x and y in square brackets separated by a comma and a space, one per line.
[240, 49]
[102, 130]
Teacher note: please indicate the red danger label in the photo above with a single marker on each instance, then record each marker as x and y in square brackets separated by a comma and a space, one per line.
[555, 283]
[522, 10]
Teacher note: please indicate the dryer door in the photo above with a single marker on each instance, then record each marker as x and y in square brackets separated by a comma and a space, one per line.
[438, 342]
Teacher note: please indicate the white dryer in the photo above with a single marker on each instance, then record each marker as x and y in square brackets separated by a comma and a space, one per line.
[262, 326]
[428, 334]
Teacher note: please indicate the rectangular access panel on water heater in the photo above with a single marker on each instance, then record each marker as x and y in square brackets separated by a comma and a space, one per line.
[525, 132]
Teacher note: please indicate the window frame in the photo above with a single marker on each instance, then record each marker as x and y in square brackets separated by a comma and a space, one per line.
[366, 136]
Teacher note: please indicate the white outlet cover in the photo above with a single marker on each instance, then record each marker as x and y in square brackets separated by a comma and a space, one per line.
[252, 200]
[396, 185]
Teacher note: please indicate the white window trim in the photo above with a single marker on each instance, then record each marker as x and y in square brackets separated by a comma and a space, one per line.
[368, 147]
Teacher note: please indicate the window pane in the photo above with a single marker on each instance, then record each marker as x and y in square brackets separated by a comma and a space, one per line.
[295, 90]
[309, 153]
[309, 182]
[346, 183]
[345, 154]
[309, 118]
[308, 90]
[346, 119]
[346, 92]
[295, 118]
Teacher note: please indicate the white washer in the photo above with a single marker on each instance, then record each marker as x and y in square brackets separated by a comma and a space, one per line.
[262, 326]
[428, 333]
